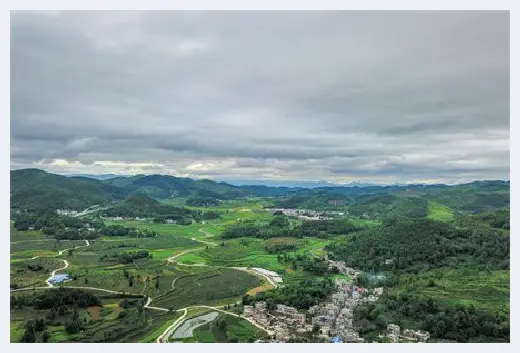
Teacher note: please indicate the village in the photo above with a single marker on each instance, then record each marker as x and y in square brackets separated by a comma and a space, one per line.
[309, 215]
[332, 320]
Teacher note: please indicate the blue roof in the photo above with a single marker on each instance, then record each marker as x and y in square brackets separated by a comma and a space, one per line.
[336, 339]
[59, 278]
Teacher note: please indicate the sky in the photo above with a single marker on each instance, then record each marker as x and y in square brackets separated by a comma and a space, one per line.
[335, 96]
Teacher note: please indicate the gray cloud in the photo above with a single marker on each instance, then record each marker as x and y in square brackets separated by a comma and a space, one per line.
[337, 96]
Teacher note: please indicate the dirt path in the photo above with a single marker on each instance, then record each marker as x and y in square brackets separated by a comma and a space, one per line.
[87, 243]
[204, 242]
[172, 259]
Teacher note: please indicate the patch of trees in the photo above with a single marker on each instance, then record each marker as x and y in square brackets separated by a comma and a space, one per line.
[301, 295]
[202, 201]
[387, 206]
[47, 220]
[322, 228]
[314, 265]
[462, 323]
[122, 231]
[413, 245]
[496, 219]
[55, 298]
[278, 245]
[127, 257]
[281, 227]
[32, 327]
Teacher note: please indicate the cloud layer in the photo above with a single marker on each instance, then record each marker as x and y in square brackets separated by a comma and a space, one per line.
[336, 96]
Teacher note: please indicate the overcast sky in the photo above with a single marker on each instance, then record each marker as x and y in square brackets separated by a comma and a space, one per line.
[336, 96]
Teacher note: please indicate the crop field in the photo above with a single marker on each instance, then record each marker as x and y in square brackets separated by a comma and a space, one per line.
[24, 248]
[227, 328]
[439, 212]
[208, 286]
[22, 235]
[159, 242]
[241, 252]
[161, 228]
[145, 273]
[191, 258]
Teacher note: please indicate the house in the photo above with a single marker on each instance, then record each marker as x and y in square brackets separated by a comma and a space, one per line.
[422, 336]
[59, 279]
[393, 329]
[336, 339]
[171, 221]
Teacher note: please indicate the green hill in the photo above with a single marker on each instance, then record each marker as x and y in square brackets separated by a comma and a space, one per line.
[35, 189]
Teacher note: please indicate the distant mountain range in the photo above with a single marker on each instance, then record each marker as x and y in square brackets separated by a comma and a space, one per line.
[291, 183]
[35, 188]
[97, 176]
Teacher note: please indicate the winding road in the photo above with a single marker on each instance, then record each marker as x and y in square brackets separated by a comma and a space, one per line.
[169, 330]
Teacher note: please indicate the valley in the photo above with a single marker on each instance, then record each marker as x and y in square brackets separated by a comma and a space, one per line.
[141, 268]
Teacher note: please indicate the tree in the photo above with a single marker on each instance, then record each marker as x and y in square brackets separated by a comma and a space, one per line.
[45, 336]
[270, 304]
[70, 252]
[28, 336]
[39, 325]
[381, 322]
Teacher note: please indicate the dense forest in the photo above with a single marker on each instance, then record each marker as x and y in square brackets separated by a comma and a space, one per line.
[411, 245]
[461, 323]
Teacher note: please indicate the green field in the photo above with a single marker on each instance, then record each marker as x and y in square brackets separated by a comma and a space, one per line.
[242, 252]
[439, 212]
[208, 286]
[227, 328]
[488, 290]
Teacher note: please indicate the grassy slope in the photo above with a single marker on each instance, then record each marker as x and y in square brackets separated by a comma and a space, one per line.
[439, 212]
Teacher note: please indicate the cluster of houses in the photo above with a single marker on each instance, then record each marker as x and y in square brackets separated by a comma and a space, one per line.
[66, 212]
[282, 322]
[335, 318]
[396, 335]
[310, 215]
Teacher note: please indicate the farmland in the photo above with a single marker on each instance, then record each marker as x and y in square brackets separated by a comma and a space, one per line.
[185, 271]
[208, 286]
[226, 328]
